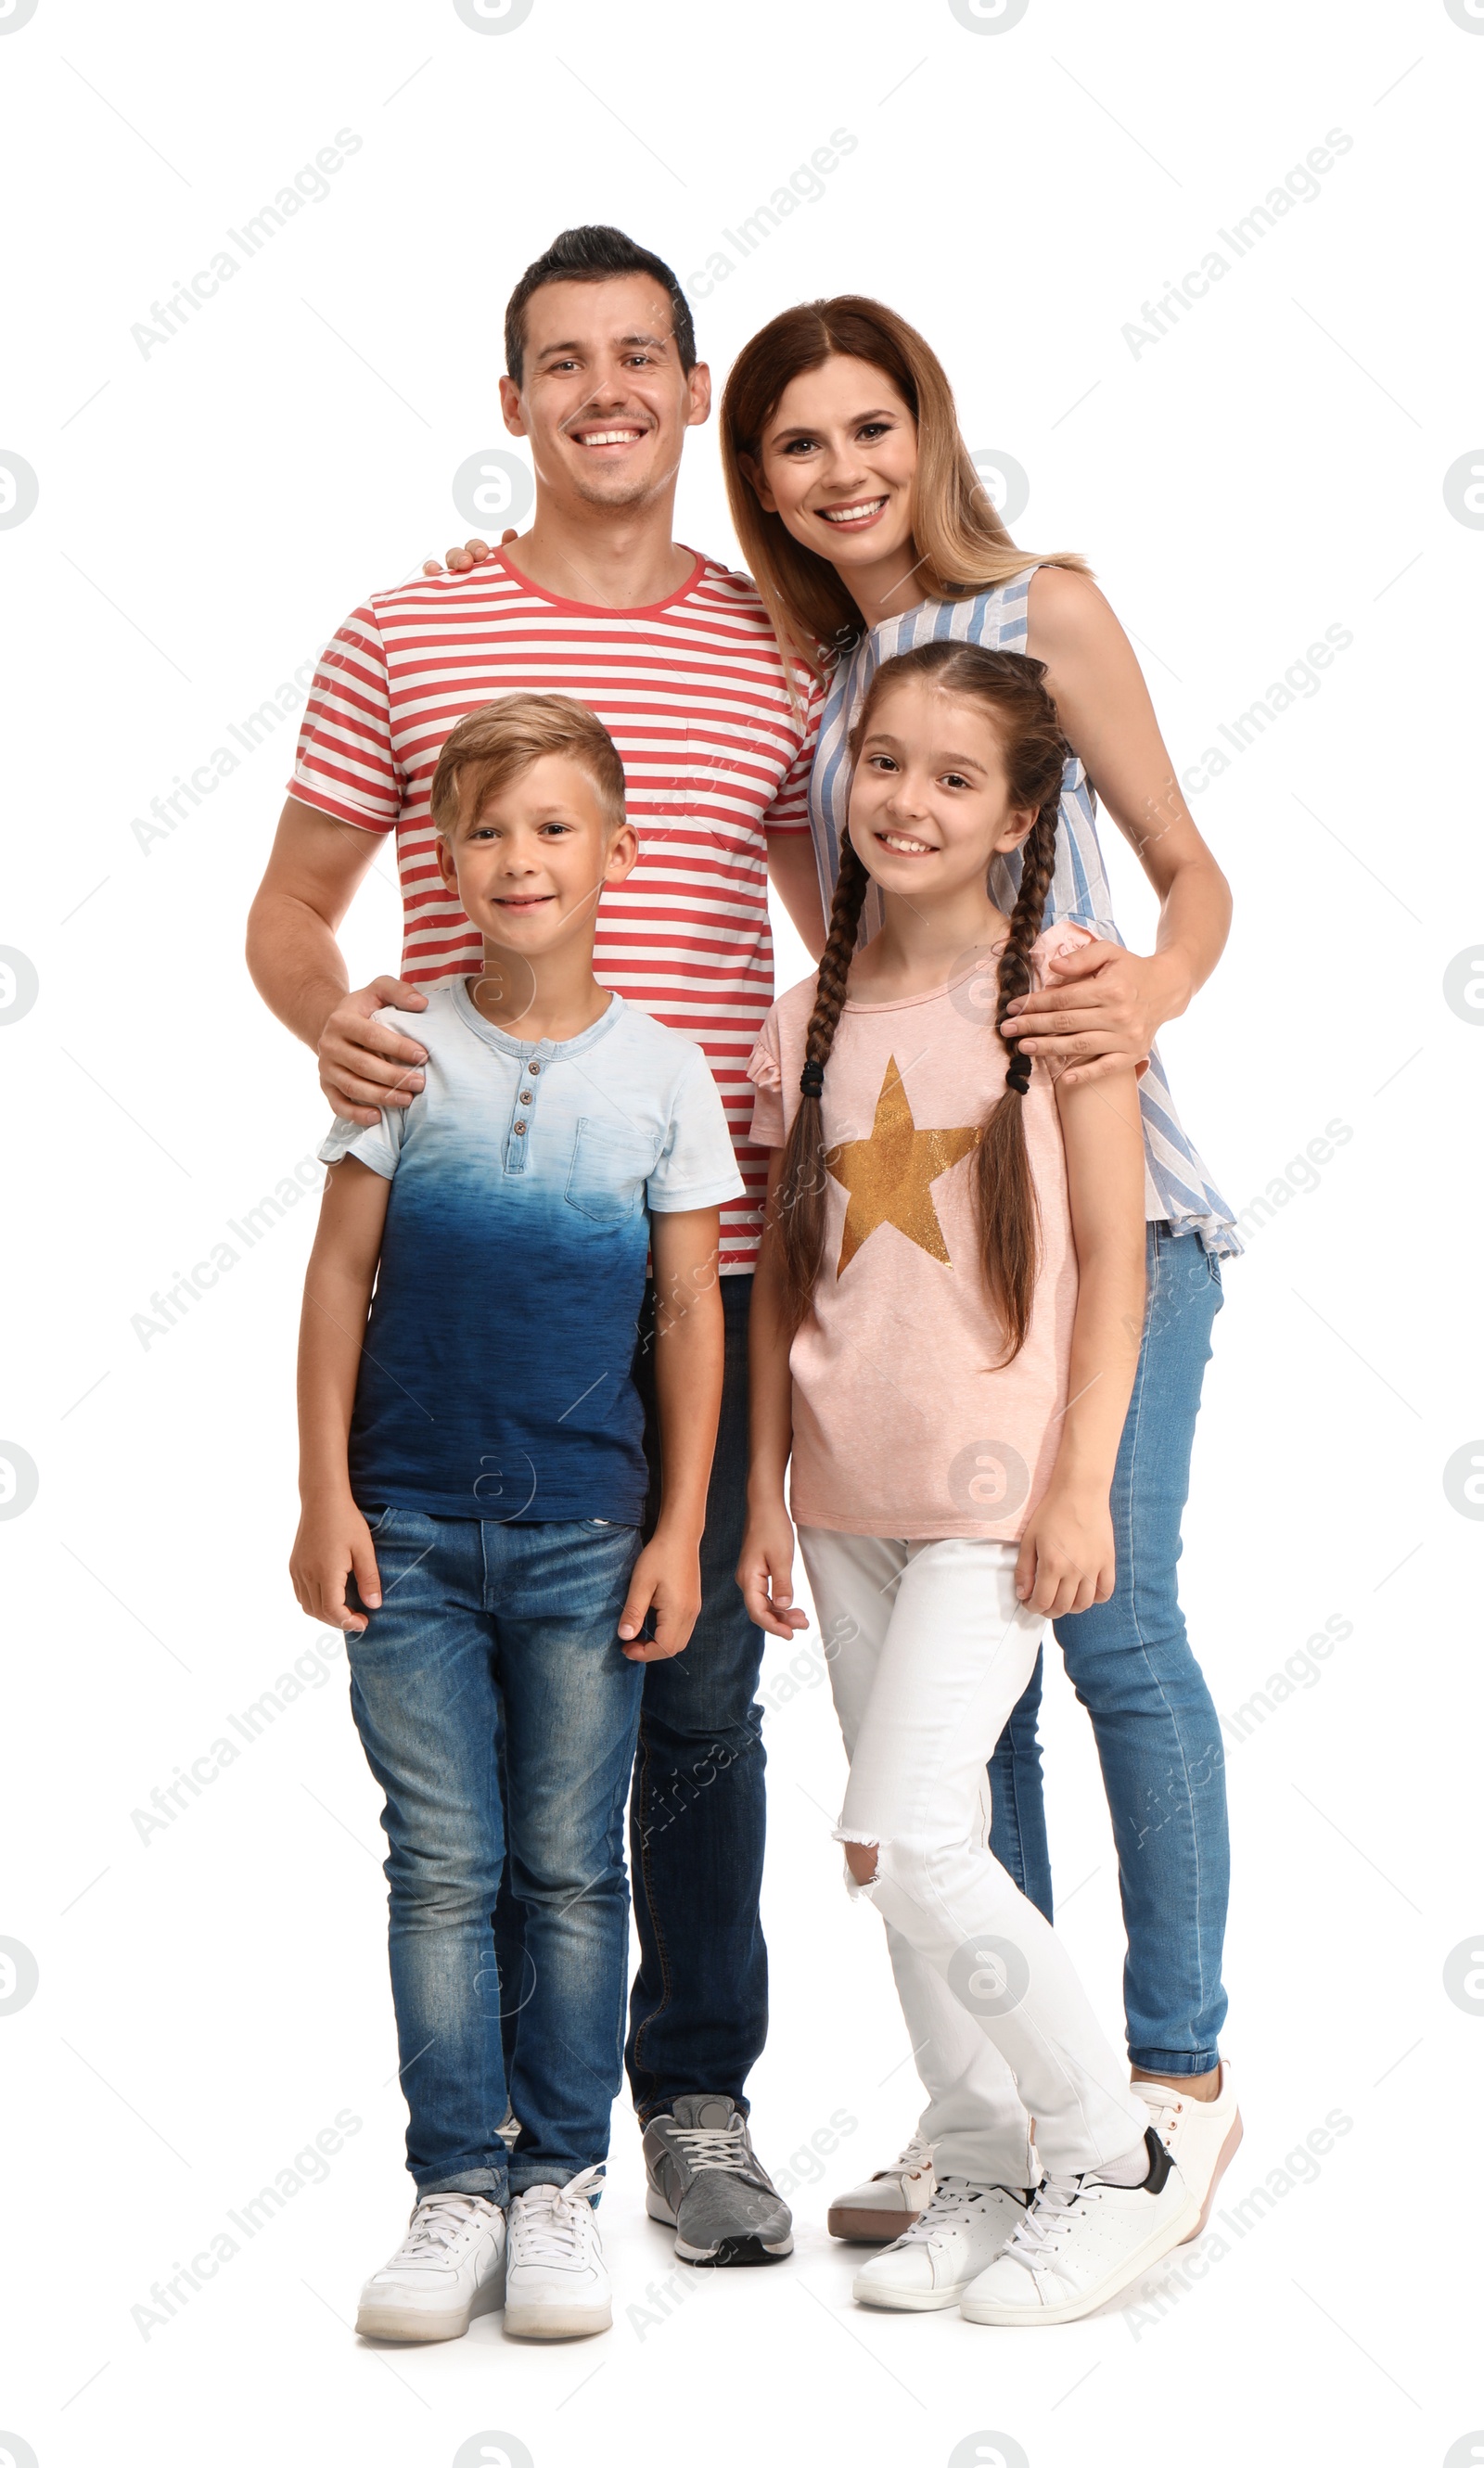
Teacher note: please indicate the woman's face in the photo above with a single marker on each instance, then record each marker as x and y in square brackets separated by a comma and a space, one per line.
[837, 463]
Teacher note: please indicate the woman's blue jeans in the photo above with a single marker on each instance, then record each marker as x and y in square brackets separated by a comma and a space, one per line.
[1155, 1727]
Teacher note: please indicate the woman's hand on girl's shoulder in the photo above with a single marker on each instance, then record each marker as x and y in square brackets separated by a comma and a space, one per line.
[1099, 1009]
[1067, 1561]
[764, 1571]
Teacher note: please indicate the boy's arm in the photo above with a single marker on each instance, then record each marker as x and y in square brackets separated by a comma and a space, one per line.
[1066, 1556]
[764, 1571]
[689, 1342]
[334, 1539]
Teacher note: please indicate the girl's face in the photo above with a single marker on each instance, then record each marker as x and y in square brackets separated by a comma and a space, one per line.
[837, 463]
[930, 802]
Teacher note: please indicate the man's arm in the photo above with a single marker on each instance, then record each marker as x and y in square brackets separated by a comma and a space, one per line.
[794, 875]
[296, 965]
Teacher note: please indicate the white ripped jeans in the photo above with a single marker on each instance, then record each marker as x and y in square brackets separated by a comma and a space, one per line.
[930, 1653]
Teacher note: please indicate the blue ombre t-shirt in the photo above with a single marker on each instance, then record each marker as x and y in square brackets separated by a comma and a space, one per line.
[496, 1371]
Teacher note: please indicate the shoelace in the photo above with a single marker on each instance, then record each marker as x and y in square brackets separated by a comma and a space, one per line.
[1048, 2219]
[551, 2221]
[714, 2146]
[438, 2223]
[1164, 2107]
[909, 2162]
[954, 2199]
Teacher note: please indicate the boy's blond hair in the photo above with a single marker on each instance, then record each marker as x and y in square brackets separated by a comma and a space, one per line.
[495, 744]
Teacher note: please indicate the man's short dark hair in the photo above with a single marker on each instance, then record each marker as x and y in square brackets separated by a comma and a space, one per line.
[594, 253]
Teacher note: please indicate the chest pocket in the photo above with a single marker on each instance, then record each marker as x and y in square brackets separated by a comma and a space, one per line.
[610, 1169]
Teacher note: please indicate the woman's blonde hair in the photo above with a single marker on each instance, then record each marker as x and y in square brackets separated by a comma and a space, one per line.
[964, 547]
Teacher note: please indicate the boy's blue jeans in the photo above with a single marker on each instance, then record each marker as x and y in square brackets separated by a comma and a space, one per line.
[496, 1647]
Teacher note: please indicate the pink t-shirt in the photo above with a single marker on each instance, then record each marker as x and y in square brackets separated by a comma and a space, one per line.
[901, 1424]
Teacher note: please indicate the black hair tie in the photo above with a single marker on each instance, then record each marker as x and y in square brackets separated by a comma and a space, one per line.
[811, 1081]
[1018, 1075]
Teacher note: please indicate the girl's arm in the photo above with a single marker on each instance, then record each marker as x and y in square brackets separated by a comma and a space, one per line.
[764, 1571]
[1066, 1555]
[333, 1540]
[1106, 1004]
[689, 1344]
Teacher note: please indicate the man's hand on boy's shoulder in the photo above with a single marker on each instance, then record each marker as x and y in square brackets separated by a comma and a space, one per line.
[363, 1065]
[667, 1582]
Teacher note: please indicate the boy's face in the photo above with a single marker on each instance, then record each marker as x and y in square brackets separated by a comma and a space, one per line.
[603, 396]
[527, 866]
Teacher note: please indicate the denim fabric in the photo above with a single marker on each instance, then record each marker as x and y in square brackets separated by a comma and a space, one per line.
[1155, 1727]
[697, 2013]
[494, 1638]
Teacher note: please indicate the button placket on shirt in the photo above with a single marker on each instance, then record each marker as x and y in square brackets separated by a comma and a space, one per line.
[518, 1141]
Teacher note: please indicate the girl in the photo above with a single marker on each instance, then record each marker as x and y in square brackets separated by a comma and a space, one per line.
[862, 520]
[944, 1332]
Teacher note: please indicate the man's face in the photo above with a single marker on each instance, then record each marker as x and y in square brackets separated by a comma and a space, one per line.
[603, 399]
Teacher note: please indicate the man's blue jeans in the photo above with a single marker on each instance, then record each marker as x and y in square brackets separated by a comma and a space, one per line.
[1156, 1726]
[697, 2014]
[496, 1646]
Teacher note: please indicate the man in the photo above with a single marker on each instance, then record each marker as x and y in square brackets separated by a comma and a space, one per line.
[677, 658]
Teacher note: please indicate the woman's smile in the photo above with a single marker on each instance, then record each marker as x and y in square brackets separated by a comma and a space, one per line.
[858, 516]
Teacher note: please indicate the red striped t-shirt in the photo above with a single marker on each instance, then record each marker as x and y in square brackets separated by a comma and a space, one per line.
[692, 693]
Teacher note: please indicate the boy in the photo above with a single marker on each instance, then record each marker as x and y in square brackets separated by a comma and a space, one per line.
[473, 1478]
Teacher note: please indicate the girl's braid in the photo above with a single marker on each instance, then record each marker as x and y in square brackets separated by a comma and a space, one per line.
[850, 897]
[1037, 865]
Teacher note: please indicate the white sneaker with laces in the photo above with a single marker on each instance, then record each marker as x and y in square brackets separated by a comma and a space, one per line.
[1080, 2242]
[450, 2267]
[556, 2286]
[946, 2246]
[889, 2201]
[1200, 2135]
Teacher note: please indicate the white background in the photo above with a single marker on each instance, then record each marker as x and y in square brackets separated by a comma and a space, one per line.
[208, 512]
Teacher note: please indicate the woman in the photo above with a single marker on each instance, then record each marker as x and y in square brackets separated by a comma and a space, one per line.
[865, 528]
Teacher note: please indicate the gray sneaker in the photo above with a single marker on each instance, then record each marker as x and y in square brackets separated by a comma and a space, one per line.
[708, 2184]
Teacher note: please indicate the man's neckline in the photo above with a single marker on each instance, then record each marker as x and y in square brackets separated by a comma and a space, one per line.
[600, 607]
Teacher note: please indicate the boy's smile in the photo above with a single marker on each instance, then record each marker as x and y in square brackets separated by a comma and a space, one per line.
[529, 865]
[529, 860]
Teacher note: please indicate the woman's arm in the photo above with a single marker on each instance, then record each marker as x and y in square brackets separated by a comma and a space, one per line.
[690, 1341]
[765, 1570]
[1066, 1555]
[333, 1540]
[1108, 1005]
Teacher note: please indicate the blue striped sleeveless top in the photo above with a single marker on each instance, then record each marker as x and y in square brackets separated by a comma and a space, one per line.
[1178, 1189]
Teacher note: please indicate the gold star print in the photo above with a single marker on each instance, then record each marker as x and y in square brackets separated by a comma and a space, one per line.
[887, 1176]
